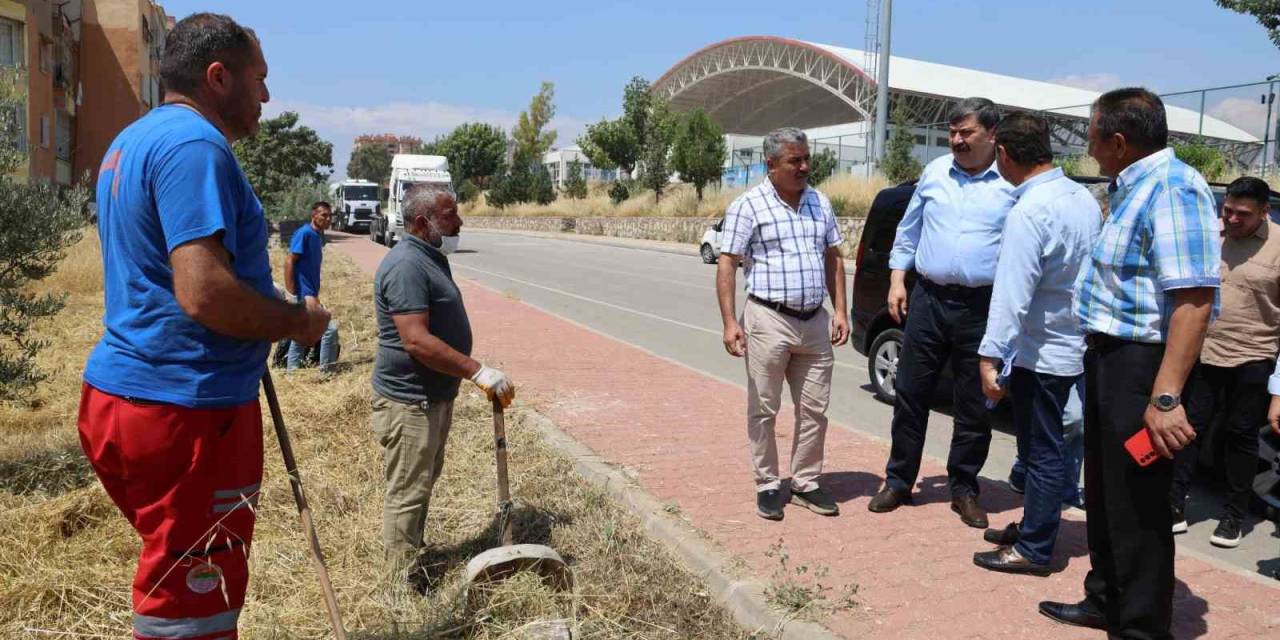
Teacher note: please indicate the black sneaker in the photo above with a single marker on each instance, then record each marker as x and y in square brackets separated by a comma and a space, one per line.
[816, 500]
[1227, 535]
[769, 504]
[1179, 520]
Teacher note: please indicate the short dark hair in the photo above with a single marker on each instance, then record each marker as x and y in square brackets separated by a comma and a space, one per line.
[986, 111]
[1025, 137]
[1250, 187]
[1135, 113]
[198, 41]
[321, 203]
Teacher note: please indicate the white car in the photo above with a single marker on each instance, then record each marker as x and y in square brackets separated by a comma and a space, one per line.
[710, 245]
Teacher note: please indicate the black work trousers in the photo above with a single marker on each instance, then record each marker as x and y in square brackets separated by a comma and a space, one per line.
[1129, 524]
[1240, 395]
[943, 322]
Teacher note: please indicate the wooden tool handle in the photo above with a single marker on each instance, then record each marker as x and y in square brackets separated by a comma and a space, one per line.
[504, 486]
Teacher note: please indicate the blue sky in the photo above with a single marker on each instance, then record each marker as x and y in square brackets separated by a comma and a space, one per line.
[424, 67]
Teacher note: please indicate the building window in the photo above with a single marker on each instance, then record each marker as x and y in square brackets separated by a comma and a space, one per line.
[46, 56]
[13, 125]
[11, 43]
[44, 131]
[62, 134]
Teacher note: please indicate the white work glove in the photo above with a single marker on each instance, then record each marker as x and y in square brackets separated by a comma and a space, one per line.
[496, 384]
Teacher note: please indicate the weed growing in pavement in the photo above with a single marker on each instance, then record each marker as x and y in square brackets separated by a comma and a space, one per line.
[800, 588]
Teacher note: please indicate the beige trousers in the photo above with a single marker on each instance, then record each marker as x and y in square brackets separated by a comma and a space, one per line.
[412, 438]
[780, 347]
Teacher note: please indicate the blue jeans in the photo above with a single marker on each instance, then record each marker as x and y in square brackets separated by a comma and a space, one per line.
[328, 349]
[1037, 401]
[1073, 441]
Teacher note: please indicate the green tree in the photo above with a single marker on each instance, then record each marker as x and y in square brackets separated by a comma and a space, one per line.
[1207, 159]
[637, 104]
[475, 152]
[541, 189]
[655, 156]
[295, 200]
[698, 151]
[532, 140]
[611, 144]
[281, 153]
[822, 165]
[619, 192]
[1267, 13]
[370, 162]
[899, 164]
[38, 223]
[575, 186]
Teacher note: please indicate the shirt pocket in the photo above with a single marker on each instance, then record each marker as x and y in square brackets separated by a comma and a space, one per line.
[1257, 277]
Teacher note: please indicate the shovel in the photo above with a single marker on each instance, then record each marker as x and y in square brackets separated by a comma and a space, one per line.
[505, 561]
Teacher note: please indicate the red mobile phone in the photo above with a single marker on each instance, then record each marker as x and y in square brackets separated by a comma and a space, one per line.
[1139, 447]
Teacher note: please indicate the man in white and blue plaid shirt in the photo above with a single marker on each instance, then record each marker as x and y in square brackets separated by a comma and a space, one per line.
[785, 233]
[1144, 300]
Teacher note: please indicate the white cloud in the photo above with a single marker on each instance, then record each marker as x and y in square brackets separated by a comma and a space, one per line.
[1249, 115]
[1090, 81]
[340, 124]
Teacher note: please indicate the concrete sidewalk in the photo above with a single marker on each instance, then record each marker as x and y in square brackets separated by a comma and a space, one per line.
[682, 435]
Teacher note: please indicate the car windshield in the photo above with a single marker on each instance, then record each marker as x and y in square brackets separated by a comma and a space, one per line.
[364, 192]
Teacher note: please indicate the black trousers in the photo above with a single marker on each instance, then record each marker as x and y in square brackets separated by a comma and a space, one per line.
[1130, 541]
[1240, 394]
[942, 322]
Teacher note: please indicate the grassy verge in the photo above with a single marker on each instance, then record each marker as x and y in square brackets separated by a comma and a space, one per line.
[850, 196]
[67, 556]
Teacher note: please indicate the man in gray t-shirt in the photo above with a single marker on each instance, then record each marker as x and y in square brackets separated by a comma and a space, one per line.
[424, 351]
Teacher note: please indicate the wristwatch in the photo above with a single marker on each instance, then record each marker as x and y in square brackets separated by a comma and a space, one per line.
[1166, 402]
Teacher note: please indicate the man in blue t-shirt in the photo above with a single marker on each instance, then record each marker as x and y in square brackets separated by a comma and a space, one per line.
[302, 281]
[169, 414]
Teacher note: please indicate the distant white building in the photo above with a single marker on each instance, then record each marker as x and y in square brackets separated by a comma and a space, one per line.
[557, 162]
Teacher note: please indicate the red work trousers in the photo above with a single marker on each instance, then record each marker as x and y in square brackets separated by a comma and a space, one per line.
[188, 481]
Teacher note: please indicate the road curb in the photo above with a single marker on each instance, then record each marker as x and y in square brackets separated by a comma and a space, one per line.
[744, 598]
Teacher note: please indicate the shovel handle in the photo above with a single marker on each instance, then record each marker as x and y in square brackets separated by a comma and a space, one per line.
[504, 484]
[304, 510]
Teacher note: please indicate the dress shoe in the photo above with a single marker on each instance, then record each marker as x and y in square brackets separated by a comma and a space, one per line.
[1006, 559]
[970, 513]
[1007, 535]
[1080, 615]
[888, 500]
[769, 504]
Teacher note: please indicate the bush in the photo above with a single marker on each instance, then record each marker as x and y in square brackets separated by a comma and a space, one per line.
[295, 199]
[822, 166]
[38, 222]
[618, 193]
[466, 191]
[575, 186]
[1208, 160]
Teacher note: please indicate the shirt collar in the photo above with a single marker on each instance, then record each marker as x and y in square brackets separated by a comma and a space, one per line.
[774, 190]
[1136, 171]
[1052, 174]
[990, 172]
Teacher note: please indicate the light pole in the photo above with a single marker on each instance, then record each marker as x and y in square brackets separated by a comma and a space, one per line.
[1270, 98]
[882, 79]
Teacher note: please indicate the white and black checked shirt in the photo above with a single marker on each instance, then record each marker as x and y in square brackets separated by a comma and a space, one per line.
[783, 249]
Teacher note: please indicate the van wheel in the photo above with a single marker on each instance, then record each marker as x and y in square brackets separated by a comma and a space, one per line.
[882, 364]
[708, 254]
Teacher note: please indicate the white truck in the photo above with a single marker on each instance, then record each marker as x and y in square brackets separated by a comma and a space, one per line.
[355, 203]
[408, 173]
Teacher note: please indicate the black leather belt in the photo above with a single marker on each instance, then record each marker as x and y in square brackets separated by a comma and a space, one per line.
[1101, 340]
[784, 309]
[955, 290]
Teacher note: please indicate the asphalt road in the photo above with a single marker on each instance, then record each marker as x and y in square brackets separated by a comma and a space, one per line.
[664, 302]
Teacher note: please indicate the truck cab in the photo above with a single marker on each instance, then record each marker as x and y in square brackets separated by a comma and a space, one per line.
[355, 203]
[408, 173]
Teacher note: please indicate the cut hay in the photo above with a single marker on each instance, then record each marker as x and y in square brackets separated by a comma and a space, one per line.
[67, 556]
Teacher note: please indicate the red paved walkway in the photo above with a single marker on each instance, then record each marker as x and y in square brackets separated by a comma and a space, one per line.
[683, 434]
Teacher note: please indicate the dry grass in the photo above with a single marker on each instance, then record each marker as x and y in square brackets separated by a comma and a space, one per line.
[67, 556]
[850, 195]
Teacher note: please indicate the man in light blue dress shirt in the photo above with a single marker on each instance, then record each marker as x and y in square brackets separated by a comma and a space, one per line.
[1049, 234]
[950, 234]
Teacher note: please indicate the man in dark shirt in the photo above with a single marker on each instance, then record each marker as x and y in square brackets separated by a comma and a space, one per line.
[424, 347]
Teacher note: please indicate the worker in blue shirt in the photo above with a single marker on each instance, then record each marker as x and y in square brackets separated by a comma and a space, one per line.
[1049, 234]
[302, 282]
[950, 234]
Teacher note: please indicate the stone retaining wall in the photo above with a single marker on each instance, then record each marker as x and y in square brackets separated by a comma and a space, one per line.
[686, 230]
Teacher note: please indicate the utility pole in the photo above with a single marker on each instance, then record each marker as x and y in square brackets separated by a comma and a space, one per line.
[1266, 133]
[882, 79]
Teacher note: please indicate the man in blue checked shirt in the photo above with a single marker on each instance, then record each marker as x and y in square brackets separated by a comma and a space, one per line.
[1144, 301]
[950, 235]
[1048, 236]
[786, 235]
